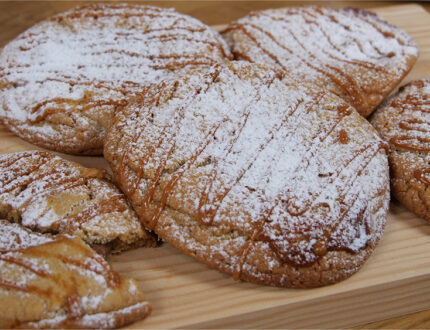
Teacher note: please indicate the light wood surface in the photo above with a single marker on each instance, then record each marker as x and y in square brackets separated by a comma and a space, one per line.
[185, 294]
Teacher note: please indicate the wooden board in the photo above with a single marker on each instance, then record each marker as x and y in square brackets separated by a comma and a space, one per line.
[186, 294]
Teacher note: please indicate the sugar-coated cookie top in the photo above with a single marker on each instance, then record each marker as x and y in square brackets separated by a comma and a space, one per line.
[354, 53]
[237, 149]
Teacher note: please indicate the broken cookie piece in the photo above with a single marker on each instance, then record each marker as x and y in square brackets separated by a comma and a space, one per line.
[58, 281]
[46, 193]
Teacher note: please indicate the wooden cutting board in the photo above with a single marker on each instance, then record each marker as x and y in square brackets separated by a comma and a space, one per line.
[186, 294]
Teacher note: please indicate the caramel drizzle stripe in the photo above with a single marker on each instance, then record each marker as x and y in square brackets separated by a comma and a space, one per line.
[24, 287]
[12, 159]
[364, 64]
[350, 90]
[105, 206]
[214, 44]
[347, 28]
[402, 142]
[23, 263]
[98, 14]
[98, 84]
[179, 115]
[176, 60]
[178, 175]
[260, 224]
[420, 175]
[386, 34]
[204, 198]
[30, 179]
[125, 156]
[151, 57]
[112, 279]
[415, 125]
[77, 106]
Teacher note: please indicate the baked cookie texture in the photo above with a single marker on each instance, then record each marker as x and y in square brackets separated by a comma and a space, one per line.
[404, 122]
[351, 52]
[255, 177]
[62, 79]
[46, 193]
[59, 282]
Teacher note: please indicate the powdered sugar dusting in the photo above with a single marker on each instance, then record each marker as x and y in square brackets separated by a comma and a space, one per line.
[85, 62]
[249, 161]
[13, 237]
[352, 53]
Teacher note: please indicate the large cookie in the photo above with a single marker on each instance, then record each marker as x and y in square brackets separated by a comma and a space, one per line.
[404, 121]
[62, 79]
[253, 176]
[350, 52]
[58, 281]
[49, 194]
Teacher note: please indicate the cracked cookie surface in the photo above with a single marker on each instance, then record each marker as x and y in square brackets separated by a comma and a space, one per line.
[404, 122]
[59, 282]
[253, 176]
[46, 193]
[62, 79]
[351, 52]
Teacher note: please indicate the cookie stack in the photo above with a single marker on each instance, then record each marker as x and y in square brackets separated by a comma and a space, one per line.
[260, 164]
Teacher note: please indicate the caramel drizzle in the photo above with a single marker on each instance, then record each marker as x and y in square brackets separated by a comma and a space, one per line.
[364, 64]
[422, 175]
[102, 268]
[166, 135]
[343, 111]
[25, 171]
[125, 156]
[161, 168]
[96, 14]
[106, 206]
[419, 140]
[77, 106]
[351, 88]
[366, 154]
[355, 40]
[207, 216]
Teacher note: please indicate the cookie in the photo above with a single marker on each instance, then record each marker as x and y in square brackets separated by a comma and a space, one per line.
[351, 52]
[58, 281]
[404, 122]
[46, 193]
[62, 79]
[255, 177]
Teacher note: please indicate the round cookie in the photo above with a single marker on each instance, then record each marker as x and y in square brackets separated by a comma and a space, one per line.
[46, 193]
[404, 122]
[351, 52]
[62, 79]
[253, 176]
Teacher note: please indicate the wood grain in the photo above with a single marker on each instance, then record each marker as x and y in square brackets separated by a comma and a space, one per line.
[185, 294]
